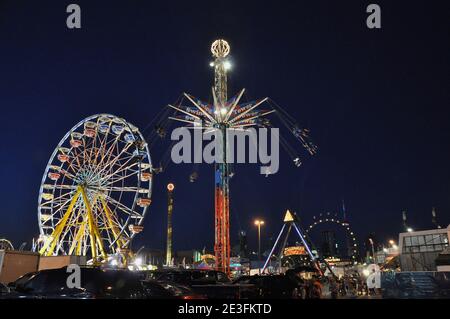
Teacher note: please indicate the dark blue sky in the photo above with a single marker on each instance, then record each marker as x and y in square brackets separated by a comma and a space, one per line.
[376, 101]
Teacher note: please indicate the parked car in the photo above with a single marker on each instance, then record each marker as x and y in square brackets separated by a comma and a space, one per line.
[190, 277]
[21, 280]
[268, 286]
[4, 289]
[181, 291]
[211, 283]
[95, 283]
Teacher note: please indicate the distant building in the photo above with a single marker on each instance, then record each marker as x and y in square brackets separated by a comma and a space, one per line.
[418, 250]
[443, 260]
[387, 256]
[329, 244]
[155, 257]
[370, 246]
[187, 257]
[243, 248]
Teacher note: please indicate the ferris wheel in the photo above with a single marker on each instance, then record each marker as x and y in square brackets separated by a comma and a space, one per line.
[96, 189]
[5, 244]
[352, 245]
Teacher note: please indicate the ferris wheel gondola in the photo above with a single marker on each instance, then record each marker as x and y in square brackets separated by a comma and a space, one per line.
[96, 189]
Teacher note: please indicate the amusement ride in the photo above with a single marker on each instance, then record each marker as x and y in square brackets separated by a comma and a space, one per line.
[95, 191]
[5, 244]
[223, 114]
[96, 188]
[333, 219]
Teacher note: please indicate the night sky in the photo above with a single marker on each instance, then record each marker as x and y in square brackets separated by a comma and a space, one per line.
[376, 102]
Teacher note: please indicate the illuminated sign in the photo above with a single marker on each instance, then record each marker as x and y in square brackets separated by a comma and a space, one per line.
[294, 250]
[208, 256]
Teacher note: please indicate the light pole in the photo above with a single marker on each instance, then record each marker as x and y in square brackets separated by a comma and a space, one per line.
[170, 188]
[259, 223]
[393, 244]
[373, 250]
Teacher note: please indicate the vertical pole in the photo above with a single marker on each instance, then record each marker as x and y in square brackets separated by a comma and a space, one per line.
[170, 188]
[220, 50]
[273, 248]
[259, 242]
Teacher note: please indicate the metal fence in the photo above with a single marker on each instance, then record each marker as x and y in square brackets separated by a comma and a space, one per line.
[416, 284]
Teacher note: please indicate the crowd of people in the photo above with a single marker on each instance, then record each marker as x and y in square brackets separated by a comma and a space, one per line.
[347, 286]
[317, 287]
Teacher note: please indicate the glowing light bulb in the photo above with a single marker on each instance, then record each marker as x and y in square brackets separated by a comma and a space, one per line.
[138, 261]
[227, 65]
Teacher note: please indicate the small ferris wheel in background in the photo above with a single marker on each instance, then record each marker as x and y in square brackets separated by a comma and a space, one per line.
[5, 244]
[328, 218]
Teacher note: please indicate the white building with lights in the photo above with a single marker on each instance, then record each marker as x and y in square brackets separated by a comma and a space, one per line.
[418, 250]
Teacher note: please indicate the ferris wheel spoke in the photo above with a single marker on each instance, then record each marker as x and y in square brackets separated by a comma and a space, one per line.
[118, 165]
[60, 201]
[68, 229]
[102, 146]
[122, 178]
[122, 207]
[54, 203]
[114, 160]
[74, 156]
[64, 172]
[111, 216]
[93, 148]
[117, 172]
[110, 151]
[101, 215]
[60, 194]
[118, 189]
[64, 187]
[60, 207]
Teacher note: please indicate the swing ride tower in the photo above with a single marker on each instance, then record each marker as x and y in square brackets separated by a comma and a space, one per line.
[225, 115]
[220, 50]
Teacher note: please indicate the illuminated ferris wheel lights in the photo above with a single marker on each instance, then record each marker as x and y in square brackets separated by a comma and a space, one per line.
[76, 140]
[345, 226]
[146, 176]
[45, 217]
[94, 182]
[143, 202]
[117, 129]
[103, 128]
[129, 138]
[90, 129]
[63, 158]
[54, 176]
[47, 196]
[136, 229]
